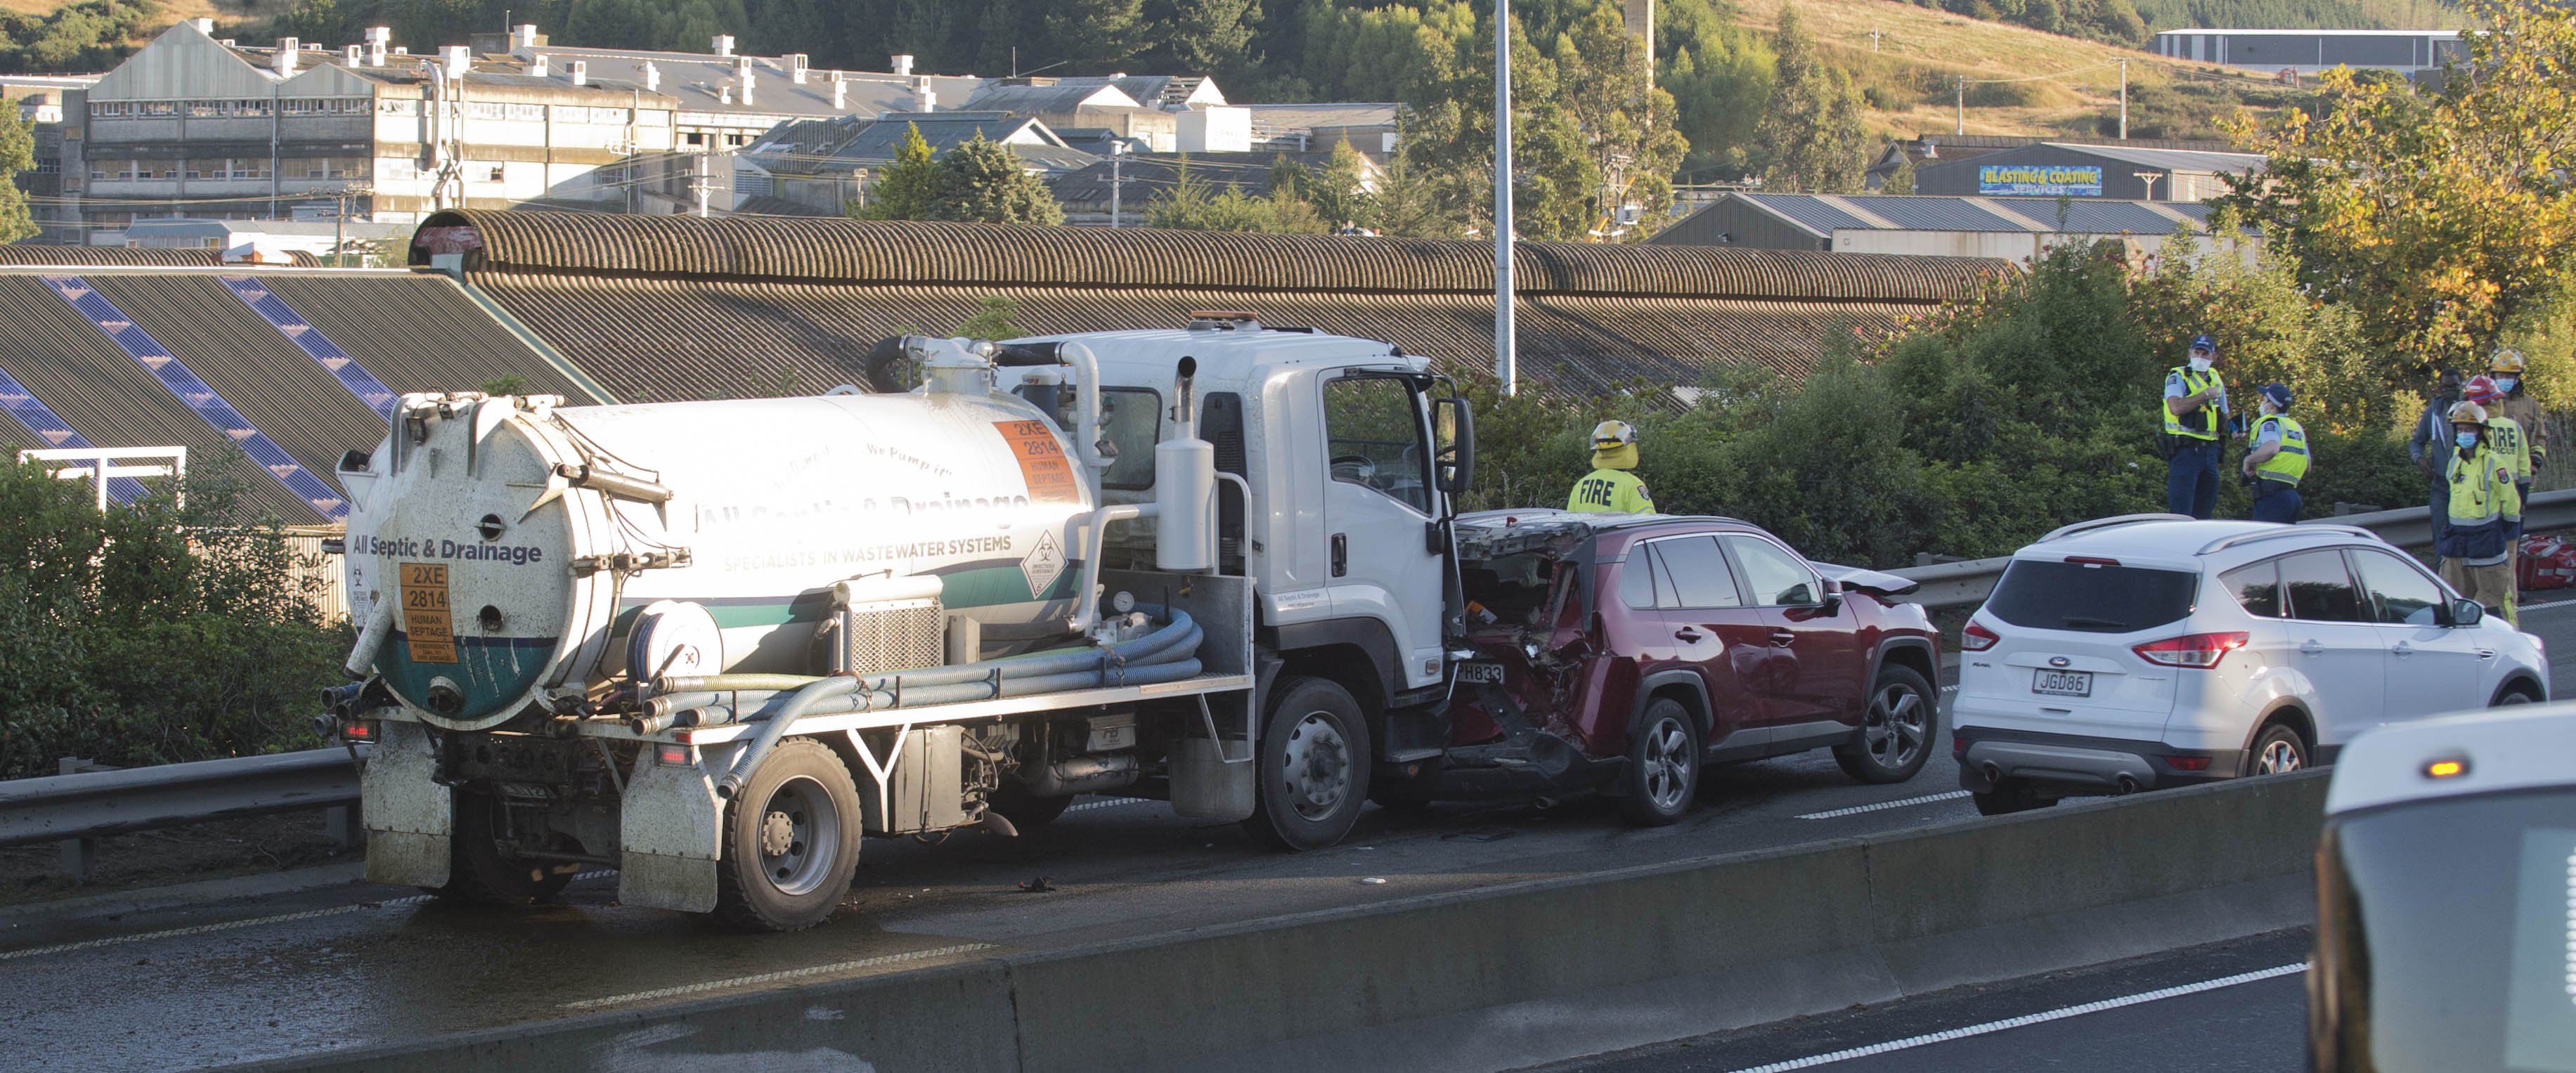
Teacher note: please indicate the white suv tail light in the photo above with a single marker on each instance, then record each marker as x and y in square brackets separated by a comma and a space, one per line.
[1977, 638]
[2199, 651]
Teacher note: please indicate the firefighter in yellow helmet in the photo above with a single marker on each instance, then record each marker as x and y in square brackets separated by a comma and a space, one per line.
[1611, 488]
[2484, 507]
[2506, 367]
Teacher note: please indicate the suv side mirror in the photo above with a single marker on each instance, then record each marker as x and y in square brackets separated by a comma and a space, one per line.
[2465, 613]
[1830, 595]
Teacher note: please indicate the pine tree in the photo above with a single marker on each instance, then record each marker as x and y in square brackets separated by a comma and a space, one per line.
[907, 187]
[1097, 35]
[1338, 189]
[982, 182]
[1210, 37]
[1814, 131]
[1407, 205]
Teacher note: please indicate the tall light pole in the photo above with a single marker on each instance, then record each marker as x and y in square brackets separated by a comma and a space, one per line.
[2124, 100]
[1506, 362]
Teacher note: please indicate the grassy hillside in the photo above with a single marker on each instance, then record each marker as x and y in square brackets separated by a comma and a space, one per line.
[1908, 74]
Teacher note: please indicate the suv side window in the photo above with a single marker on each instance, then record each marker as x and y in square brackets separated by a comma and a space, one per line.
[2257, 588]
[2320, 589]
[1692, 573]
[1778, 578]
[2398, 593]
[1637, 578]
[1373, 437]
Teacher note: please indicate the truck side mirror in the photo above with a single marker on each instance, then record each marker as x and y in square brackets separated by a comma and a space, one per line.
[1453, 427]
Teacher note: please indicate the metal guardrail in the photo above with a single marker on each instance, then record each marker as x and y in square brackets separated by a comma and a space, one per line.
[1962, 583]
[68, 808]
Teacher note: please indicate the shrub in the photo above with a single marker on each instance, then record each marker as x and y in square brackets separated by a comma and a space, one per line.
[150, 633]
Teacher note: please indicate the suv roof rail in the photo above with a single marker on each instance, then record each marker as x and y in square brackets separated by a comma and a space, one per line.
[2107, 523]
[2260, 535]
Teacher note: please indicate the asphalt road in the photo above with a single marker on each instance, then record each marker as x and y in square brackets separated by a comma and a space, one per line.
[354, 965]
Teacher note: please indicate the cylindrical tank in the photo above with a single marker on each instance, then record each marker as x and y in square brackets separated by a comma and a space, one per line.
[520, 539]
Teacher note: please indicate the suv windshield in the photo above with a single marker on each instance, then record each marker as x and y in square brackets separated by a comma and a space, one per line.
[2090, 597]
[2445, 936]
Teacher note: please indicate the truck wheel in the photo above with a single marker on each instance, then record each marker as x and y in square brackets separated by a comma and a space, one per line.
[1662, 773]
[477, 872]
[1313, 772]
[791, 841]
[1025, 810]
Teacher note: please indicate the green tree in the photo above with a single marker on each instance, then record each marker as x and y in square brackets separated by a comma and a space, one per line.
[1625, 123]
[2437, 219]
[1097, 35]
[907, 187]
[1212, 37]
[982, 182]
[1190, 204]
[17, 154]
[1900, 181]
[1407, 205]
[1813, 132]
[993, 319]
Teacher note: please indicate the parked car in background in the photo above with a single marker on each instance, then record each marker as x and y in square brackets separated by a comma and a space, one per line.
[2141, 652]
[1624, 653]
[2446, 899]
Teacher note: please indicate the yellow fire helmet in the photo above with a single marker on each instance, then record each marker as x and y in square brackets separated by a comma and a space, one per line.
[2505, 360]
[1613, 435]
[2468, 413]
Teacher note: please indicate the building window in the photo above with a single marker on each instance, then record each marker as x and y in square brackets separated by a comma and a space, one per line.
[696, 138]
[526, 113]
[399, 168]
[398, 106]
[496, 173]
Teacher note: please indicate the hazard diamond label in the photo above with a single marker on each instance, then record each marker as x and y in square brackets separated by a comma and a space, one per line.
[1044, 564]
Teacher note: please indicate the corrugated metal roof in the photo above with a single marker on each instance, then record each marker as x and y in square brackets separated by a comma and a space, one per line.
[668, 339]
[30, 253]
[413, 331]
[1005, 255]
[1807, 212]
[1933, 214]
[2091, 217]
[2174, 159]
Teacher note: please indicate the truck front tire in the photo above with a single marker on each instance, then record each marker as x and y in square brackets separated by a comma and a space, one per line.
[1312, 773]
[791, 841]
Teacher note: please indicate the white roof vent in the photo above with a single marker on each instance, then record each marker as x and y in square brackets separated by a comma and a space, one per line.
[537, 66]
[580, 72]
[652, 77]
[840, 92]
[523, 35]
[283, 60]
[796, 63]
[353, 55]
[724, 44]
[456, 58]
[903, 64]
[204, 26]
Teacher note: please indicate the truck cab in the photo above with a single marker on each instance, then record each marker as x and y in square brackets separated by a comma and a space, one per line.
[1340, 459]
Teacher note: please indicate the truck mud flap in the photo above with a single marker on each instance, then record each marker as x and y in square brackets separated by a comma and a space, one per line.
[408, 814]
[670, 829]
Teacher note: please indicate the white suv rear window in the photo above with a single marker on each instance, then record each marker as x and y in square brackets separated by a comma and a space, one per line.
[2090, 597]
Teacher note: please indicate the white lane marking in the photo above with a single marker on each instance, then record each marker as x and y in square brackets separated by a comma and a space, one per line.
[2552, 603]
[1905, 803]
[772, 977]
[2029, 1019]
[229, 925]
[1949, 689]
[1120, 802]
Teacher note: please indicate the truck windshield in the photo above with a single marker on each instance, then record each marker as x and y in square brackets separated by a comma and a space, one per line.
[2447, 936]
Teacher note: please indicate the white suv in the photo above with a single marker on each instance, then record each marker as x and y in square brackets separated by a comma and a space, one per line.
[2144, 651]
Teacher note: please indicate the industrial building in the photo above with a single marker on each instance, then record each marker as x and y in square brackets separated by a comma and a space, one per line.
[2410, 52]
[2008, 228]
[2068, 169]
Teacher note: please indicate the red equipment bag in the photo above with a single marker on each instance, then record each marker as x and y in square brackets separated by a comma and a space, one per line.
[2546, 562]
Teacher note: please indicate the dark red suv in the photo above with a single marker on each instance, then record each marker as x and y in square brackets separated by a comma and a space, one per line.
[1623, 653]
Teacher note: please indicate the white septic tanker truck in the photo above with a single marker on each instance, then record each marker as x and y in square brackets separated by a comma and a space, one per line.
[713, 644]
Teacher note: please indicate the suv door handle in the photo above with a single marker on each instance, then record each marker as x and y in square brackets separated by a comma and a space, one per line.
[1341, 554]
[2404, 648]
[1783, 638]
[2311, 647]
[1687, 634]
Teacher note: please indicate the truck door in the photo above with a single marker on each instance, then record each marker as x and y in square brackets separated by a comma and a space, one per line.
[1379, 510]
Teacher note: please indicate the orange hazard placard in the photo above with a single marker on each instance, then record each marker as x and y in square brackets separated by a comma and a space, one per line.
[1042, 461]
[430, 629]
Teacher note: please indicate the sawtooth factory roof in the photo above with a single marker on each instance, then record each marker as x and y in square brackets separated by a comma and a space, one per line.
[666, 307]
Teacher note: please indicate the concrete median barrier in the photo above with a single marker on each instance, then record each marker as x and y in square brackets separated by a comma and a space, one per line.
[1523, 973]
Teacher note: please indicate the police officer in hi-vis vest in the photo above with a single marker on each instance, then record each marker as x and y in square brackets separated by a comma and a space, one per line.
[2278, 459]
[1610, 488]
[2195, 413]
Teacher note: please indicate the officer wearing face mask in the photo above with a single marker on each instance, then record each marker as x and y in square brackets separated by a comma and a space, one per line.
[2195, 414]
[2431, 447]
[2506, 366]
